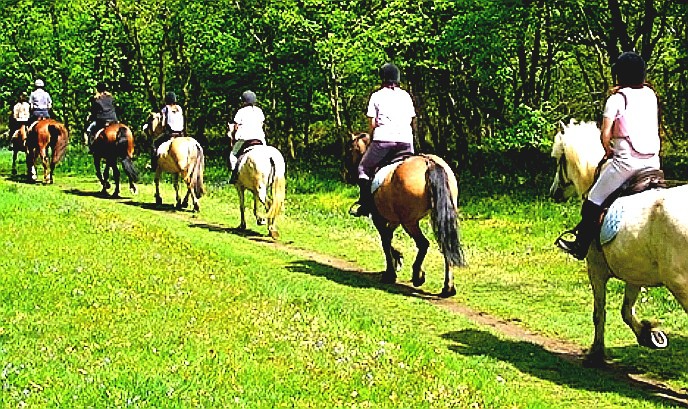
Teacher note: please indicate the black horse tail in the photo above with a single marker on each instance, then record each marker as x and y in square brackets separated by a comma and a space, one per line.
[444, 216]
[122, 149]
[196, 175]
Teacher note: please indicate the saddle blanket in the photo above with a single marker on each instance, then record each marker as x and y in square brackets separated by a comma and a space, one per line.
[612, 222]
[382, 174]
[629, 207]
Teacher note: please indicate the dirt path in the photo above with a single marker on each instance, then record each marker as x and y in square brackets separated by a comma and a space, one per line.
[570, 352]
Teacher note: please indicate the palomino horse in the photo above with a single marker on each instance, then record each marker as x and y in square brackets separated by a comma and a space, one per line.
[420, 185]
[44, 134]
[18, 144]
[262, 171]
[182, 156]
[113, 142]
[649, 248]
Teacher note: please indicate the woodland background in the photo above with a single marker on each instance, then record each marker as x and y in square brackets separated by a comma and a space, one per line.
[487, 76]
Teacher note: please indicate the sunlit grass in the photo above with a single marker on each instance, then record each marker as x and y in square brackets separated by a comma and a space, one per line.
[117, 303]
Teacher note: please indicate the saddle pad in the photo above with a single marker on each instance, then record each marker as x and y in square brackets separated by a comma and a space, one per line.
[612, 222]
[382, 174]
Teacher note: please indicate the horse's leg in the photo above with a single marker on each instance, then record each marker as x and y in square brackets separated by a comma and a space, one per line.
[598, 282]
[175, 180]
[47, 175]
[187, 182]
[393, 257]
[99, 175]
[31, 157]
[14, 162]
[644, 332]
[260, 196]
[241, 192]
[158, 198]
[115, 175]
[422, 244]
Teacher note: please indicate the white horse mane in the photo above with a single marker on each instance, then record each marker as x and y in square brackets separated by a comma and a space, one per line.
[579, 143]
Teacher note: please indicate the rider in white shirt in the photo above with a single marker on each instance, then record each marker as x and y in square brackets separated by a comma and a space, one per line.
[20, 114]
[40, 102]
[248, 126]
[630, 137]
[172, 122]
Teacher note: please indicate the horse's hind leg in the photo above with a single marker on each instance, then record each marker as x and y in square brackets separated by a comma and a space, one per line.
[241, 193]
[158, 198]
[14, 163]
[644, 332]
[47, 168]
[260, 195]
[422, 245]
[116, 175]
[175, 180]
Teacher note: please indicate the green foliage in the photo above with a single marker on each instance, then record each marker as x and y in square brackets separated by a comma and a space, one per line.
[531, 129]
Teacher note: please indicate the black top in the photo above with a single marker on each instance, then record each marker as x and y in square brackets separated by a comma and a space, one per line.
[103, 108]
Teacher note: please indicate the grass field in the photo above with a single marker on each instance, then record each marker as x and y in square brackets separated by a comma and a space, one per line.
[119, 303]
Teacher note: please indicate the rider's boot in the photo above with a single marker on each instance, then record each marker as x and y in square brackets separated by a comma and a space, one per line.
[585, 231]
[365, 201]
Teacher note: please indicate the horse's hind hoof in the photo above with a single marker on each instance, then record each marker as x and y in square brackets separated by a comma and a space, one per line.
[446, 293]
[388, 278]
[594, 360]
[652, 338]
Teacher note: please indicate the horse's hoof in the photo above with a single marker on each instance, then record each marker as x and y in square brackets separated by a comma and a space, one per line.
[418, 281]
[652, 338]
[261, 222]
[134, 190]
[274, 234]
[388, 278]
[116, 196]
[158, 200]
[594, 360]
[448, 292]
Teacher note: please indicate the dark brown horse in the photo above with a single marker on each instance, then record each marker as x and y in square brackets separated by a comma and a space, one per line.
[18, 144]
[44, 135]
[420, 185]
[114, 142]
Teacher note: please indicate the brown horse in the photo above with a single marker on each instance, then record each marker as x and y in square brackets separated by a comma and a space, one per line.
[113, 142]
[44, 134]
[18, 144]
[420, 185]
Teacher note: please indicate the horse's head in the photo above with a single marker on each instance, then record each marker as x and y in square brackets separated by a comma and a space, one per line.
[153, 126]
[577, 150]
[357, 146]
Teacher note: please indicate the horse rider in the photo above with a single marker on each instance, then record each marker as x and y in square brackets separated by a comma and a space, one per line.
[172, 123]
[392, 115]
[40, 102]
[630, 137]
[248, 126]
[103, 111]
[21, 113]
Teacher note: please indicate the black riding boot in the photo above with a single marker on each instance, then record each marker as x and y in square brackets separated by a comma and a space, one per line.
[235, 174]
[584, 232]
[365, 201]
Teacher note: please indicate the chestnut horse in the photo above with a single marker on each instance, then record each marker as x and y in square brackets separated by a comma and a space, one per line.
[649, 248]
[261, 169]
[113, 142]
[18, 144]
[43, 135]
[420, 185]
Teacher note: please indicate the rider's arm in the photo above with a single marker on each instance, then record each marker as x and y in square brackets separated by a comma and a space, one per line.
[373, 125]
[606, 136]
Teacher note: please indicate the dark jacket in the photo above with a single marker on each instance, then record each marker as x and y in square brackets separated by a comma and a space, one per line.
[103, 108]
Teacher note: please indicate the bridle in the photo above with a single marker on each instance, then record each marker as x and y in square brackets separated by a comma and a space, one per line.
[564, 181]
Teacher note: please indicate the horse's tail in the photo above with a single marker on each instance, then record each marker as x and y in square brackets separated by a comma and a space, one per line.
[278, 186]
[196, 177]
[122, 147]
[445, 220]
[59, 138]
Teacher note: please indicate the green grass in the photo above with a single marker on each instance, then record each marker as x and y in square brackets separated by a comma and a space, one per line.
[117, 303]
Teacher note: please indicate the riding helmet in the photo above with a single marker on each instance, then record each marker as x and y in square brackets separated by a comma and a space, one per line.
[629, 69]
[389, 73]
[170, 98]
[101, 87]
[248, 97]
[39, 83]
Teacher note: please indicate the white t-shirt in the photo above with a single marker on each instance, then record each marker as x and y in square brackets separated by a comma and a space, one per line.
[249, 120]
[635, 117]
[21, 111]
[174, 117]
[393, 111]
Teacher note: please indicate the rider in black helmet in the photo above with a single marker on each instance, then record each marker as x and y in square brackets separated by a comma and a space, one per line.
[391, 114]
[630, 137]
[246, 131]
[172, 122]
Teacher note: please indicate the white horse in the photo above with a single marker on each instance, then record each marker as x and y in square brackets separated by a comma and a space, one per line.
[262, 171]
[649, 249]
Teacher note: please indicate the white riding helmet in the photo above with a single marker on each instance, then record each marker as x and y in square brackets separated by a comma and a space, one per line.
[39, 83]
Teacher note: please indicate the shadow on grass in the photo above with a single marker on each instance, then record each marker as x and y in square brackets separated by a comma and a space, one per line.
[562, 369]
[251, 234]
[165, 207]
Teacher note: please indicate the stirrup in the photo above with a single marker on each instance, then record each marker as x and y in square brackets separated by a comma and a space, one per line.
[571, 247]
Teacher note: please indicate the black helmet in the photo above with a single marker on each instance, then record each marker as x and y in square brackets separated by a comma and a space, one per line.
[248, 97]
[170, 98]
[389, 73]
[629, 69]
[101, 87]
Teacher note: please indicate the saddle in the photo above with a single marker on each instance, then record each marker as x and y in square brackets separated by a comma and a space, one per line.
[640, 181]
[248, 143]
